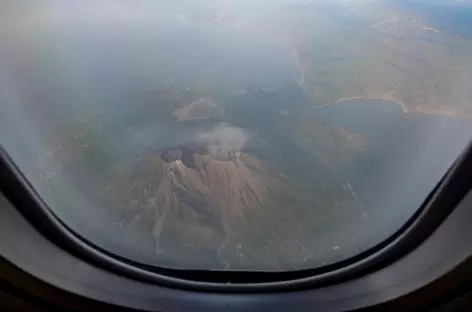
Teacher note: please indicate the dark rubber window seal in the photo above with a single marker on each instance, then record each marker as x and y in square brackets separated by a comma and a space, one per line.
[439, 204]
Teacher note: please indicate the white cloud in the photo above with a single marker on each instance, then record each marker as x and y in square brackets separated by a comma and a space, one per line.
[224, 139]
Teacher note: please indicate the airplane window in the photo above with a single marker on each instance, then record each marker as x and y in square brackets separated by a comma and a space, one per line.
[235, 135]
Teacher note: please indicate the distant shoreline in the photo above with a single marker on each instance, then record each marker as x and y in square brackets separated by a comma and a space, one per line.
[403, 107]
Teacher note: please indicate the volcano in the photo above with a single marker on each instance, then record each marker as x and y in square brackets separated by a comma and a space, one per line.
[212, 197]
[208, 194]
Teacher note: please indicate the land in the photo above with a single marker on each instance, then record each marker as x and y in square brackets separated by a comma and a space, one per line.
[193, 174]
[415, 55]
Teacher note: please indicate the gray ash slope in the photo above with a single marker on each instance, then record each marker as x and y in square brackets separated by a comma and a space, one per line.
[224, 207]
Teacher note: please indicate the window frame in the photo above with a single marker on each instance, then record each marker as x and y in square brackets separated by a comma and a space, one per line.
[432, 243]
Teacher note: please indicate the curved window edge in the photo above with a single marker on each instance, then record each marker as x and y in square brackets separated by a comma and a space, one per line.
[440, 203]
[442, 263]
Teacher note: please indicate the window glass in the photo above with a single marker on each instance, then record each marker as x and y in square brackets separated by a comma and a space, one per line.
[235, 134]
